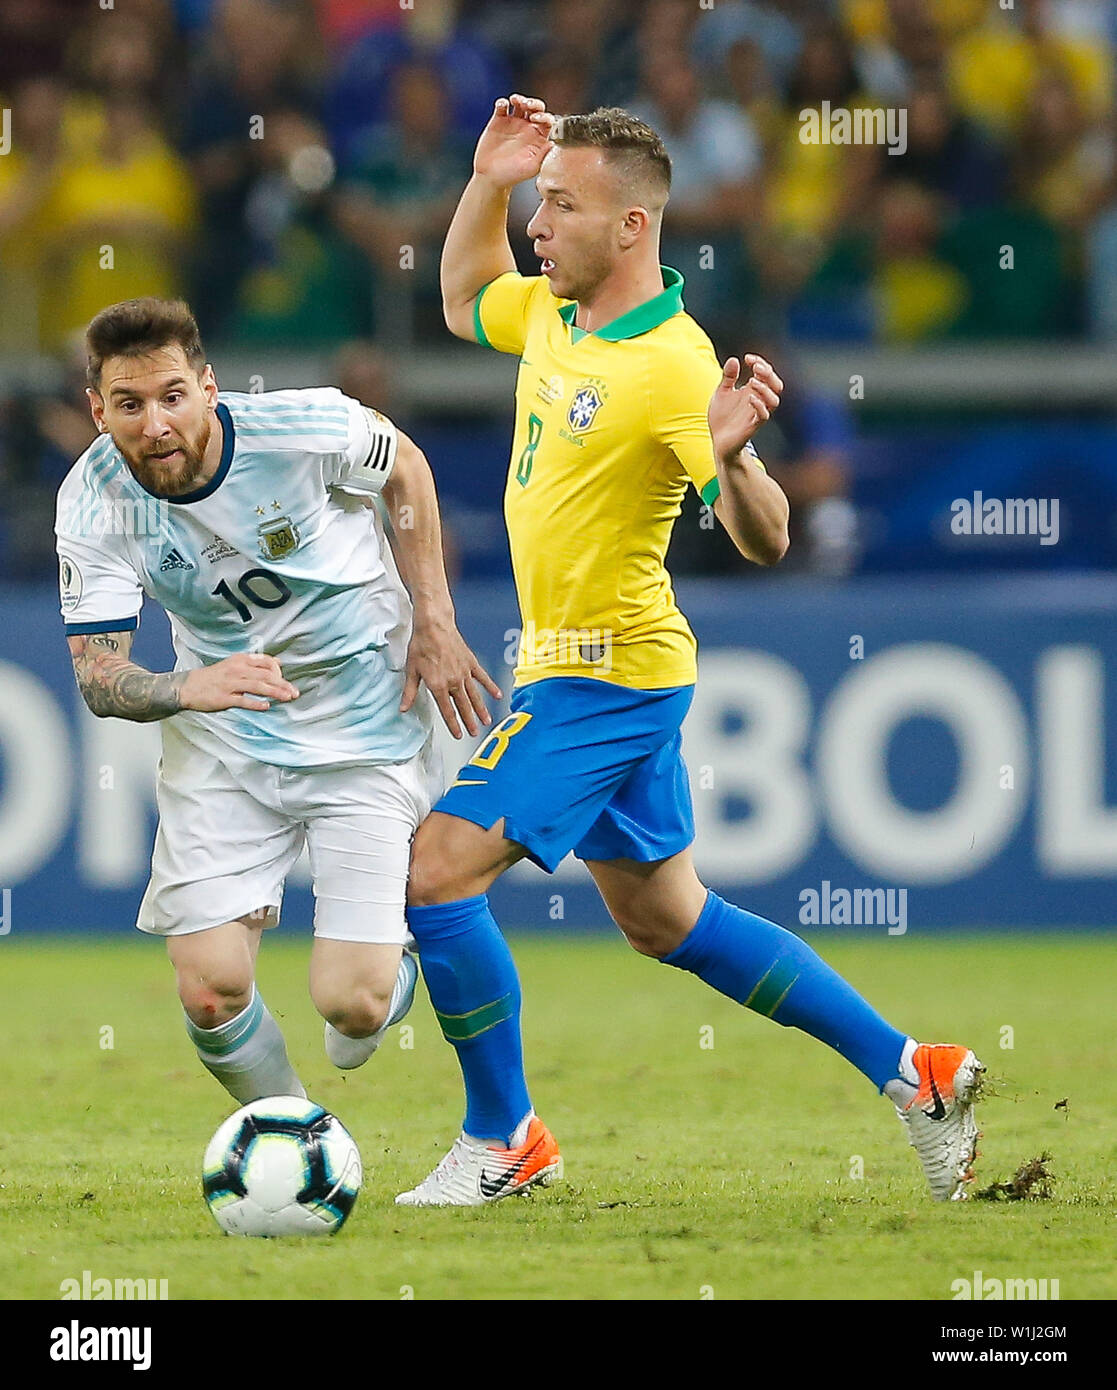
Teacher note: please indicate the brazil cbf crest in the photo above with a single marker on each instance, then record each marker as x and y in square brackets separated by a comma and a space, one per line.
[589, 397]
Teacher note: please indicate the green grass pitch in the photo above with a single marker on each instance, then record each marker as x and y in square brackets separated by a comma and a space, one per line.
[709, 1152]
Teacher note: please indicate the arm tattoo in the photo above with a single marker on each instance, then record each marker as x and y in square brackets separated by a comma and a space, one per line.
[113, 685]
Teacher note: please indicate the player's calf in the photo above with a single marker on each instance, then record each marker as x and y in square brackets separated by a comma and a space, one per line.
[650, 934]
[654, 904]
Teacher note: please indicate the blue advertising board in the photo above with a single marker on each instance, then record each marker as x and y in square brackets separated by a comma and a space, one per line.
[900, 755]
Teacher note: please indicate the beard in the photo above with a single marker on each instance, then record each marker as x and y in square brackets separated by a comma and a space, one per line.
[171, 477]
[581, 274]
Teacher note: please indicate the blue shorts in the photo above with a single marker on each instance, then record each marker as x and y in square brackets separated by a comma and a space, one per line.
[581, 764]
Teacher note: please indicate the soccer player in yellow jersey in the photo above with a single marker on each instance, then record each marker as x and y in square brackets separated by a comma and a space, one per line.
[620, 406]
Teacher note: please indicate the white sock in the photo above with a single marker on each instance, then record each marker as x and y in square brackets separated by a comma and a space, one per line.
[515, 1139]
[247, 1054]
[902, 1090]
[345, 1052]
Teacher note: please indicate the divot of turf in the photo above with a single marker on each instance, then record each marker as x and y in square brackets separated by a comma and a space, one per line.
[1033, 1179]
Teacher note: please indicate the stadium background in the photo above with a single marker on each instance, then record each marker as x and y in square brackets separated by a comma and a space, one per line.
[897, 705]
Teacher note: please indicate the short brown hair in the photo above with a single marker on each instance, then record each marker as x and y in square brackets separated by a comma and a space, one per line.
[636, 149]
[138, 327]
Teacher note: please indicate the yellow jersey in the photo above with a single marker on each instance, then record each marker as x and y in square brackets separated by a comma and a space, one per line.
[610, 426]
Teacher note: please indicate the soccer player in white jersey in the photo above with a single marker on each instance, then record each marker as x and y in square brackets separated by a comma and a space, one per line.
[300, 708]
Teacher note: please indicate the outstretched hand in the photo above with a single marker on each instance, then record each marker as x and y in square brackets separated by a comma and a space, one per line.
[439, 658]
[737, 412]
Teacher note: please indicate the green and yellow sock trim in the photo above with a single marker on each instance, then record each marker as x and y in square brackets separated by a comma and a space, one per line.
[462, 1027]
[772, 988]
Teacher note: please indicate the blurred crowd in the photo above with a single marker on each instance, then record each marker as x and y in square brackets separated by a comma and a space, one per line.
[290, 166]
[280, 161]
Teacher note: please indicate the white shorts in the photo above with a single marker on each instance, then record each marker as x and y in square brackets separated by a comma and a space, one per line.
[231, 829]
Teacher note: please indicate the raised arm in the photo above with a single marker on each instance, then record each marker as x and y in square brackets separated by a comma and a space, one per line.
[112, 685]
[512, 147]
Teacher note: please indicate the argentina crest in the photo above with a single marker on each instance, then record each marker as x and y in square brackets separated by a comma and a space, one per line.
[278, 537]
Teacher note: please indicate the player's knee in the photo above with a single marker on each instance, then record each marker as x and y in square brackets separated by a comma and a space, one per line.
[646, 942]
[647, 931]
[425, 884]
[357, 1013]
[213, 1000]
[432, 877]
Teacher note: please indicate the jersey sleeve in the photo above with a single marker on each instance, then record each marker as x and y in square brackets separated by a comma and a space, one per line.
[503, 308]
[99, 589]
[365, 464]
[680, 398]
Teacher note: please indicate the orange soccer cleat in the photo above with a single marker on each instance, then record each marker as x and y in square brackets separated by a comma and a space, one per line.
[474, 1172]
[940, 1118]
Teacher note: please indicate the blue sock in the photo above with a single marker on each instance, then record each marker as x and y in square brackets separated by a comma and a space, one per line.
[472, 982]
[777, 974]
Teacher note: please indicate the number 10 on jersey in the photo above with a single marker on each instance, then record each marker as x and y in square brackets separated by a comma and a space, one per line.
[259, 587]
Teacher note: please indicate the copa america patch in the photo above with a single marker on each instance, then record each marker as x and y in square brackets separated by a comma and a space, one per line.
[69, 583]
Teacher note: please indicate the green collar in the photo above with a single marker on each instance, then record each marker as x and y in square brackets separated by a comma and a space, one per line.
[642, 319]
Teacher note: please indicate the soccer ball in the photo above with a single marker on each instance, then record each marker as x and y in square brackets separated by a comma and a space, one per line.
[281, 1166]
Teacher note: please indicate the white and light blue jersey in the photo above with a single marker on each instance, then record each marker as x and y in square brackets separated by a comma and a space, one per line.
[281, 552]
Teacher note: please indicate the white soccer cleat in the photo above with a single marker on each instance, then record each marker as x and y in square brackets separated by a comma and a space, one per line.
[347, 1053]
[472, 1173]
[939, 1119]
